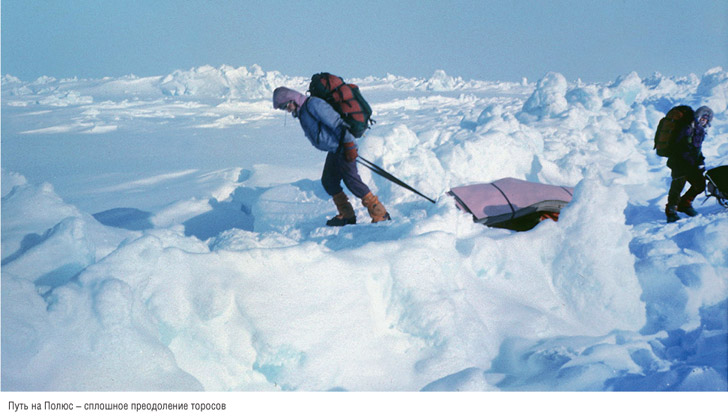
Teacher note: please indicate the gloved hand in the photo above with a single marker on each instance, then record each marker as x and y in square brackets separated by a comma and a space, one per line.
[350, 153]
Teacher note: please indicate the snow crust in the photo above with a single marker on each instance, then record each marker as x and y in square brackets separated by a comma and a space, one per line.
[168, 233]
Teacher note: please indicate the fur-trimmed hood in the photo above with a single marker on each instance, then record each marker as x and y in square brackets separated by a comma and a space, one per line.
[704, 110]
[283, 95]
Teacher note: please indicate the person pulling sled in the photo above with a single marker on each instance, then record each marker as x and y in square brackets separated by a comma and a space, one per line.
[325, 128]
[686, 160]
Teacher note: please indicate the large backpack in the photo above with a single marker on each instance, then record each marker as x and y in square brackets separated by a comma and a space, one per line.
[345, 98]
[670, 127]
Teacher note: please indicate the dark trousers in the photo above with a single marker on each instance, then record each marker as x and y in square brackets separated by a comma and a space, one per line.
[692, 175]
[337, 169]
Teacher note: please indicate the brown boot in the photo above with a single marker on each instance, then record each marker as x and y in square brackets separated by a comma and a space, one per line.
[346, 211]
[375, 208]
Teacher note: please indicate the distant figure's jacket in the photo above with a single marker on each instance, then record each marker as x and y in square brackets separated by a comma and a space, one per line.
[687, 153]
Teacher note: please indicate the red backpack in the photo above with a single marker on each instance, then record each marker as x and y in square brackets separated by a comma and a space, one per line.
[670, 127]
[345, 98]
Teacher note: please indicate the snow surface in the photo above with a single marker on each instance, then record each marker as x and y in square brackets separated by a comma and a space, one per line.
[167, 233]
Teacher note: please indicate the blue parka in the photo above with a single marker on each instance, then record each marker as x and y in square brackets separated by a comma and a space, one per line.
[323, 126]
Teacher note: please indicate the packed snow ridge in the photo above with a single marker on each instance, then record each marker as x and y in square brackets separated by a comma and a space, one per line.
[168, 233]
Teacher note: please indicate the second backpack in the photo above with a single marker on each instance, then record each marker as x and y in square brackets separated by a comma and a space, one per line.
[670, 127]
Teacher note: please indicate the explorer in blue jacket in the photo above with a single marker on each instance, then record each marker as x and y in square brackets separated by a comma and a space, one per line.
[326, 131]
[688, 165]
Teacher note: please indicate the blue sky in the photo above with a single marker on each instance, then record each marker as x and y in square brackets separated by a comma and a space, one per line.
[481, 39]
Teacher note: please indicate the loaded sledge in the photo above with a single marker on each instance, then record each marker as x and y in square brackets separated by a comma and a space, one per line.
[717, 184]
[512, 203]
[506, 203]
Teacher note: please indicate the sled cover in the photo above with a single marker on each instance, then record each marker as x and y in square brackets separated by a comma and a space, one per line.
[512, 203]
